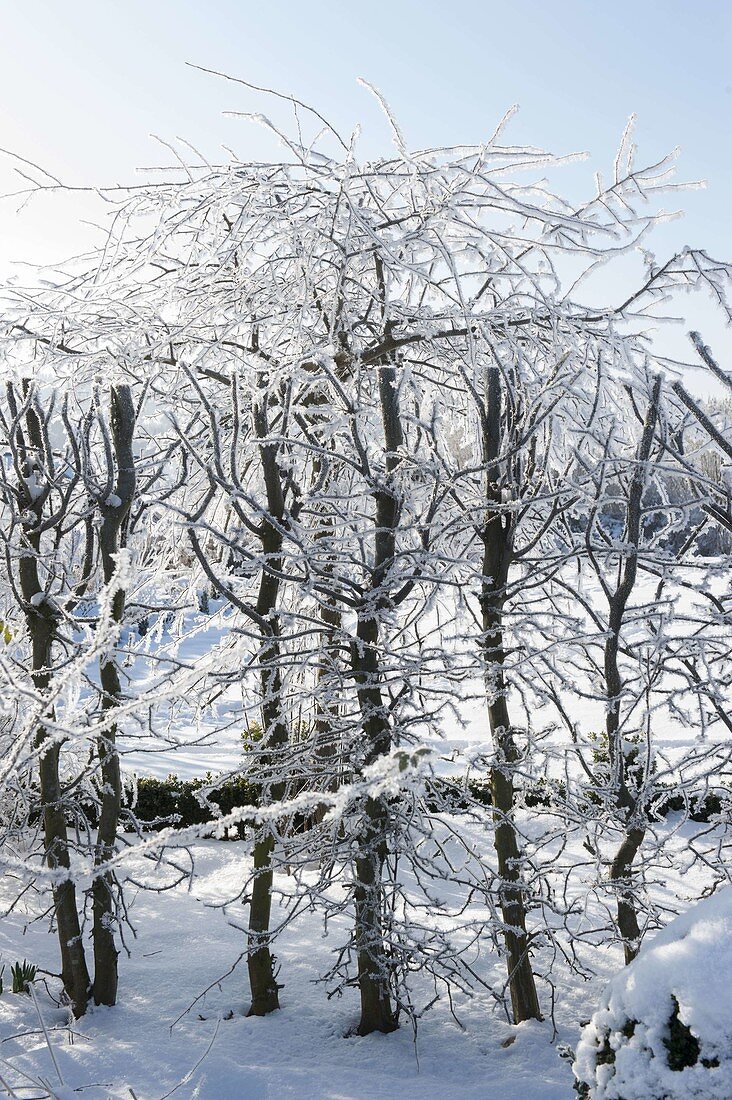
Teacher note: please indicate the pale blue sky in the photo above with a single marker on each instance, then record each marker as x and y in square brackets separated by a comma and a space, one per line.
[83, 83]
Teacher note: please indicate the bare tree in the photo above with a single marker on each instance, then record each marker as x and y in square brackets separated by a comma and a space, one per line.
[48, 546]
[113, 499]
[391, 400]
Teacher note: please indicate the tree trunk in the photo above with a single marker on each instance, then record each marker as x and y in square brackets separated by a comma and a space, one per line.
[621, 870]
[374, 971]
[497, 553]
[260, 961]
[620, 874]
[103, 902]
[327, 747]
[521, 982]
[122, 423]
[275, 731]
[42, 622]
[74, 972]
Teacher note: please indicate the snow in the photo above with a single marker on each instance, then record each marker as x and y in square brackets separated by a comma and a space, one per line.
[689, 960]
[182, 946]
[187, 939]
[183, 995]
[33, 486]
[216, 745]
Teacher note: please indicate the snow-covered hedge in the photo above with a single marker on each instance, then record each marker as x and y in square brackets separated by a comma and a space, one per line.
[664, 1029]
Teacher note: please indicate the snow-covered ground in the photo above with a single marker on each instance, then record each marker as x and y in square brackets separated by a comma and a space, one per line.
[183, 994]
[179, 1028]
[183, 946]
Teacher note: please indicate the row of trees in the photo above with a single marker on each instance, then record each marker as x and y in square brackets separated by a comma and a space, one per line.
[372, 414]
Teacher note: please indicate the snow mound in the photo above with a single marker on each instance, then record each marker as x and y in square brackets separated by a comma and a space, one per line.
[664, 1029]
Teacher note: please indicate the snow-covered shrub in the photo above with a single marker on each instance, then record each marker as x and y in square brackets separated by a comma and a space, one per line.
[664, 1029]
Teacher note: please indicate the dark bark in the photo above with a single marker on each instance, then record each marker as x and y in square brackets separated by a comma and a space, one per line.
[113, 512]
[621, 871]
[374, 968]
[621, 874]
[522, 986]
[260, 960]
[74, 972]
[497, 554]
[329, 671]
[275, 732]
[34, 461]
[327, 743]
